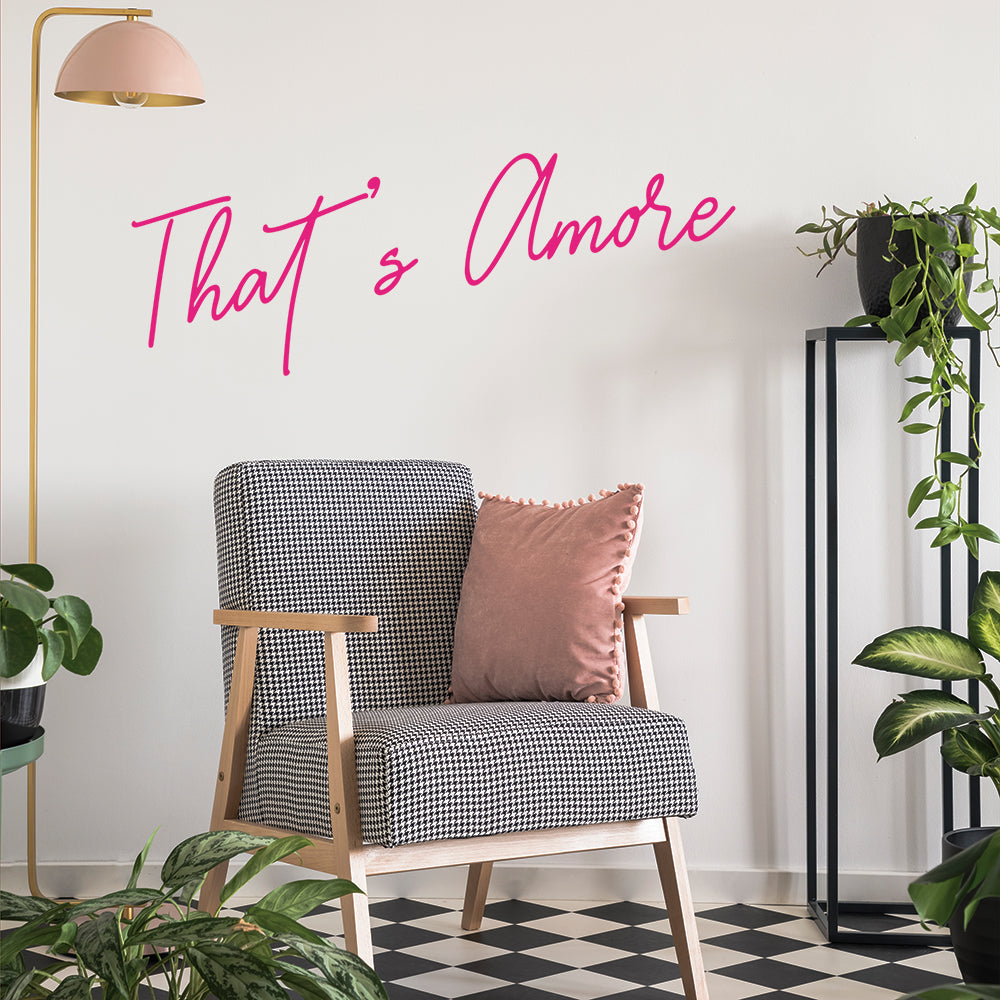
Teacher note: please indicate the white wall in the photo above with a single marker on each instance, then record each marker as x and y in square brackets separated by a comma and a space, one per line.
[682, 369]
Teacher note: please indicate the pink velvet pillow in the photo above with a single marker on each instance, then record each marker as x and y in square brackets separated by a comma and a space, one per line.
[540, 613]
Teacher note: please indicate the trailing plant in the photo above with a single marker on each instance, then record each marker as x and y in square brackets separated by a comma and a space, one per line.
[61, 626]
[921, 296]
[119, 941]
[971, 738]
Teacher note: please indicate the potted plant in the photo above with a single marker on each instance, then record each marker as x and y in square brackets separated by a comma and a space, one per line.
[38, 634]
[916, 266]
[121, 940]
[961, 892]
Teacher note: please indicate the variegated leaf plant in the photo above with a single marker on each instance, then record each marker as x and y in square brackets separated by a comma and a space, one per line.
[970, 736]
[119, 941]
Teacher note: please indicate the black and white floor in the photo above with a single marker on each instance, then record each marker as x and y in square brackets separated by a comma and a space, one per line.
[600, 951]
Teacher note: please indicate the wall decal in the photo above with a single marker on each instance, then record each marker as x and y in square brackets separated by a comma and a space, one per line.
[621, 233]
[571, 235]
[254, 282]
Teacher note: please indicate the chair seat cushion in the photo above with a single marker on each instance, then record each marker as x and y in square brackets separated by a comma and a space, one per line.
[444, 771]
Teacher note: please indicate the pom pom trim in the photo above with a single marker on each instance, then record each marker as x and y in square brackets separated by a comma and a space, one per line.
[617, 667]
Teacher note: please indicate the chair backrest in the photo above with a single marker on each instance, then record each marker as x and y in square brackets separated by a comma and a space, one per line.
[389, 538]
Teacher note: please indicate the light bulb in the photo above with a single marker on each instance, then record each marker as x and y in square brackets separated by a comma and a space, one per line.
[130, 98]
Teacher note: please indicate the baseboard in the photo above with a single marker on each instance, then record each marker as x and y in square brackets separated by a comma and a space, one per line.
[514, 879]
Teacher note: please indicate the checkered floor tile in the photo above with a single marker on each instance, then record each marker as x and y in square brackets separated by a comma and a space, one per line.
[600, 951]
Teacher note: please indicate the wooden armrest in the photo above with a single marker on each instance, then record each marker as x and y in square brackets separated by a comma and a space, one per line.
[656, 605]
[297, 620]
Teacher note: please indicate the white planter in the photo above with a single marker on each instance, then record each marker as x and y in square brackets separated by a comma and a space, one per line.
[31, 676]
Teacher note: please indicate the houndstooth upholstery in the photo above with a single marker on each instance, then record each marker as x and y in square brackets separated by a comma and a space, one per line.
[391, 538]
[444, 771]
[386, 538]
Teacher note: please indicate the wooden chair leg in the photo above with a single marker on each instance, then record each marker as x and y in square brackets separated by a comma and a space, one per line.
[357, 921]
[208, 898]
[476, 889]
[680, 911]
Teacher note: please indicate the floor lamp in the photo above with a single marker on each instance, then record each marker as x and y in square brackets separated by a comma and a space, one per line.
[127, 63]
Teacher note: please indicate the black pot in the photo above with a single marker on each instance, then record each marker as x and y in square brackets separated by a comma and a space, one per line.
[875, 273]
[977, 947]
[20, 714]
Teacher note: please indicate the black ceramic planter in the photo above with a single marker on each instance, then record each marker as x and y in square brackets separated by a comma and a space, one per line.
[875, 273]
[20, 714]
[977, 946]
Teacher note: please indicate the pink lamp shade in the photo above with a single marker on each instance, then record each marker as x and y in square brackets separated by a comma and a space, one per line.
[130, 63]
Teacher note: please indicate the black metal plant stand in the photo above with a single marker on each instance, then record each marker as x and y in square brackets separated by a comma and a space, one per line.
[828, 911]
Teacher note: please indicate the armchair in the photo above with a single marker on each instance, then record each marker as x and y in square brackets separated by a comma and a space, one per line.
[340, 584]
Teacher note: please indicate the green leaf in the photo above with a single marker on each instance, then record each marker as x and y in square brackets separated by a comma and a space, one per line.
[919, 494]
[918, 380]
[970, 195]
[64, 629]
[261, 860]
[862, 321]
[14, 989]
[980, 531]
[956, 458]
[55, 650]
[140, 862]
[67, 935]
[938, 893]
[987, 593]
[902, 283]
[922, 651]
[931, 233]
[967, 749]
[233, 974]
[114, 900]
[18, 641]
[33, 573]
[989, 217]
[944, 277]
[34, 934]
[949, 500]
[296, 899]
[916, 716]
[178, 933]
[912, 403]
[198, 855]
[73, 988]
[946, 535]
[277, 923]
[970, 314]
[934, 522]
[98, 945]
[971, 543]
[890, 326]
[340, 968]
[984, 630]
[76, 613]
[913, 340]
[87, 655]
[308, 985]
[15, 907]
[918, 428]
[27, 599]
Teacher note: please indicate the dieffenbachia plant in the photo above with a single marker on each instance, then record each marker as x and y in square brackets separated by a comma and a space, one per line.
[971, 736]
